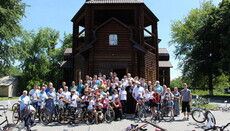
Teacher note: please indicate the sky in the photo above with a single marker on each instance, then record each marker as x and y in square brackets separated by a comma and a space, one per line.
[57, 14]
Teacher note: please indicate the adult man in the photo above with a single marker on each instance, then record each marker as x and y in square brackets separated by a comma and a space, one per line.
[158, 87]
[73, 98]
[73, 86]
[66, 93]
[23, 100]
[63, 84]
[34, 96]
[42, 96]
[186, 98]
[80, 88]
[138, 91]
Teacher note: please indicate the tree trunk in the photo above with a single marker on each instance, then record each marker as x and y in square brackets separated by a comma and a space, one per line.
[210, 84]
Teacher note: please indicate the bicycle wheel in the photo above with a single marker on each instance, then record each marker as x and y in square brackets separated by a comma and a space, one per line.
[78, 114]
[15, 116]
[88, 117]
[62, 117]
[211, 117]
[109, 115]
[198, 115]
[45, 116]
[166, 114]
[15, 106]
[159, 117]
[142, 115]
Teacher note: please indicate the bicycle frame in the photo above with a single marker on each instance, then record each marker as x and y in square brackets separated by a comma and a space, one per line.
[4, 114]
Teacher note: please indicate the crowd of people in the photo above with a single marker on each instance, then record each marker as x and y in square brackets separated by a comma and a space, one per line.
[125, 93]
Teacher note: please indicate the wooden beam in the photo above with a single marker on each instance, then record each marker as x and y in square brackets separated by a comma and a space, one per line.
[150, 33]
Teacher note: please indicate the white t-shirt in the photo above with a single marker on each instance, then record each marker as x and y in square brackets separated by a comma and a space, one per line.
[66, 94]
[114, 97]
[84, 97]
[91, 104]
[123, 94]
[147, 96]
[137, 91]
[34, 94]
[73, 100]
[151, 95]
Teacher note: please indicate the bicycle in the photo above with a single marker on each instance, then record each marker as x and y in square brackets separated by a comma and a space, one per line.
[225, 108]
[143, 127]
[144, 112]
[221, 128]
[165, 112]
[89, 117]
[200, 115]
[62, 112]
[109, 114]
[45, 115]
[16, 112]
[7, 126]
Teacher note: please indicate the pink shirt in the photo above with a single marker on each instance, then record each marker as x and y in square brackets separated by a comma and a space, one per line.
[105, 102]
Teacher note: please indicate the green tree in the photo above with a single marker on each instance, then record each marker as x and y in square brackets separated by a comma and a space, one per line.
[176, 82]
[11, 13]
[67, 41]
[40, 60]
[201, 40]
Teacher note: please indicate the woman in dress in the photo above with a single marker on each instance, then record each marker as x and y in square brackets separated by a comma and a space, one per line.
[176, 102]
[51, 99]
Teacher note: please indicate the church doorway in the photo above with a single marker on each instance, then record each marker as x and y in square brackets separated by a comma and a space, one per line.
[120, 73]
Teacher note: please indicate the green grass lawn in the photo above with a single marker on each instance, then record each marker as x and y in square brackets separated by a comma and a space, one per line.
[215, 93]
[7, 98]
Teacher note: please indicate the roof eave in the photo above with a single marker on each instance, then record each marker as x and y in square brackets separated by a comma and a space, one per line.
[79, 12]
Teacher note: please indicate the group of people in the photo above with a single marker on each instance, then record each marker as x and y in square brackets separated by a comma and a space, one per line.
[125, 95]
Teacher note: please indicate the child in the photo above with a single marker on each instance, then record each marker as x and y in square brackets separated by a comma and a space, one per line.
[91, 103]
[139, 100]
[117, 109]
[105, 102]
[99, 113]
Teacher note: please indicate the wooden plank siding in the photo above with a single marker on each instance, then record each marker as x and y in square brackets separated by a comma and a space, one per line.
[93, 54]
[119, 56]
[150, 65]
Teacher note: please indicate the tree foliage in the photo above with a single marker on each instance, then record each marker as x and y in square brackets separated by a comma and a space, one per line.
[11, 13]
[176, 83]
[201, 43]
[40, 60]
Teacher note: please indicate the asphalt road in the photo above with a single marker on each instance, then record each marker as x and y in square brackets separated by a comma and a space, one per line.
[222, 118]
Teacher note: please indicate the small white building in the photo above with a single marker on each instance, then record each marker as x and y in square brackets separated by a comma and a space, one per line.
[9, 86]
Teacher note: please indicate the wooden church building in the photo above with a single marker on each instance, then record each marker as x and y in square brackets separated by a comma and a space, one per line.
[113, 36]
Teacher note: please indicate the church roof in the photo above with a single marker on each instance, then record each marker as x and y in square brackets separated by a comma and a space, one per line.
[165, 64]
[113, 1]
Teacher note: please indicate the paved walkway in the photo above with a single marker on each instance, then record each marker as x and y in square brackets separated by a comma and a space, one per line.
[177, 125]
